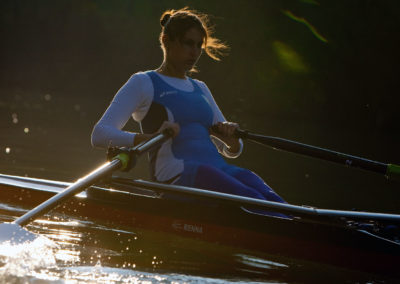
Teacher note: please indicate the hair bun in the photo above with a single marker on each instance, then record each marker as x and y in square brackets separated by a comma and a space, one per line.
[165, 18]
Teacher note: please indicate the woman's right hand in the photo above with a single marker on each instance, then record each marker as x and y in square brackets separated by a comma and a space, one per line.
[171, 125]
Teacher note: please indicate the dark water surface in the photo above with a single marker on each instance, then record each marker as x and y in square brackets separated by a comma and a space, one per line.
[77, 250]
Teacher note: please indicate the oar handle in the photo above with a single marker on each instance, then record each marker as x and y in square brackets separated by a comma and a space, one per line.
[129, 156]
[389, 170]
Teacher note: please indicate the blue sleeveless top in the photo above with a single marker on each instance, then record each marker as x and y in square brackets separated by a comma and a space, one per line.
[192, 111]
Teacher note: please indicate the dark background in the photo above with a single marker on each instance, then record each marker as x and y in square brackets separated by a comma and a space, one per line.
[319, 72]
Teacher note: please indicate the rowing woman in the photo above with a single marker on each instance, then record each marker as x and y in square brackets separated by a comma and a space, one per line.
[168, 97]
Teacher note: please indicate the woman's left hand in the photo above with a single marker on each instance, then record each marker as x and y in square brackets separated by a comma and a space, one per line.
[226, 132]
[224, 129]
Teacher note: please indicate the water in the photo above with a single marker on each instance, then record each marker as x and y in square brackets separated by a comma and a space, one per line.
[84, 251]
[77, 250]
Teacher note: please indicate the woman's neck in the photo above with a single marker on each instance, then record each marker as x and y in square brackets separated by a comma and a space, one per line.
[170, 70]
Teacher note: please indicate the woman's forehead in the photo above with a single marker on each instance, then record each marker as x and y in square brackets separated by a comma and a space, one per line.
[194, 34]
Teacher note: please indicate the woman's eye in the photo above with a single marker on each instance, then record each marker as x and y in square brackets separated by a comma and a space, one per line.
[191, 43]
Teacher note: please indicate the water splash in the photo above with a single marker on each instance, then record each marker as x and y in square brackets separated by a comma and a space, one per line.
[19, 260]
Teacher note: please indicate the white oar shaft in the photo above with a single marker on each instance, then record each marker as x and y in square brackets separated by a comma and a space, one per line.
[73, 189]
[281, 207]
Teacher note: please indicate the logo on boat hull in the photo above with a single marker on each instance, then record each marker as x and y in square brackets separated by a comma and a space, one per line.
[187, 227]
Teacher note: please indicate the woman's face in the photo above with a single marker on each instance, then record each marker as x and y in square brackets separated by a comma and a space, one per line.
[183, 53]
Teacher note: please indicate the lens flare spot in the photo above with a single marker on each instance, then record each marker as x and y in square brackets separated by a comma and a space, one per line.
[14, 118]
[289, 58]
[8, 150]
[47, 97]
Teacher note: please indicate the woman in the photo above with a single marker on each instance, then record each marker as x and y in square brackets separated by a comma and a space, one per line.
[167, 97]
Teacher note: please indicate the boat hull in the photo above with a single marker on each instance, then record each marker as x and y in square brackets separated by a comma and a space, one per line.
[218, 221]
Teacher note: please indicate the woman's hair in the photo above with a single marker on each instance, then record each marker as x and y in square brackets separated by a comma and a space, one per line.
[175, 23]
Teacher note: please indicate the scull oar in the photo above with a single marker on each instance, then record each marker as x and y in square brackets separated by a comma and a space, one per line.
[391, 171]
[295, 210]
[124, 160]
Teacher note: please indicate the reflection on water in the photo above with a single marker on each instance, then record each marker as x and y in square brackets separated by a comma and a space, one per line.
[89, 252]
[82, 251]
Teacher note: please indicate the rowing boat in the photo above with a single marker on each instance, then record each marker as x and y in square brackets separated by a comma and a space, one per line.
[357, 240]
[353, 240]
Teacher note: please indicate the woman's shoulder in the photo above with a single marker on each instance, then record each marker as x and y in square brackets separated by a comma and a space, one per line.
[203, 86]
[199, 82]
[138, 85]
[140, 80]
[140, 76]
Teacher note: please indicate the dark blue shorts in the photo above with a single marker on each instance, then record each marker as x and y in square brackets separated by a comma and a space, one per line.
[227, 179]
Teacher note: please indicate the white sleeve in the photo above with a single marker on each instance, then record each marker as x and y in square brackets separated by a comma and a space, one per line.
[218, 117]
[133, 99]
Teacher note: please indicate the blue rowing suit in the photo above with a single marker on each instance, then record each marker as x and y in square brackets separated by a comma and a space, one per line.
[193, 150]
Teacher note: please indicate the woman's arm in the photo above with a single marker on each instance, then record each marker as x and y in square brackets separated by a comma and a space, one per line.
[134, 96]
[133, 99]
[227, 144]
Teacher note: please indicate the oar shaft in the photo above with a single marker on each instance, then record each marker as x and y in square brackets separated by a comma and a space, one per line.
[119, 162]
[316, 152]
[153, 142]
[73, 189]
[269, 205]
